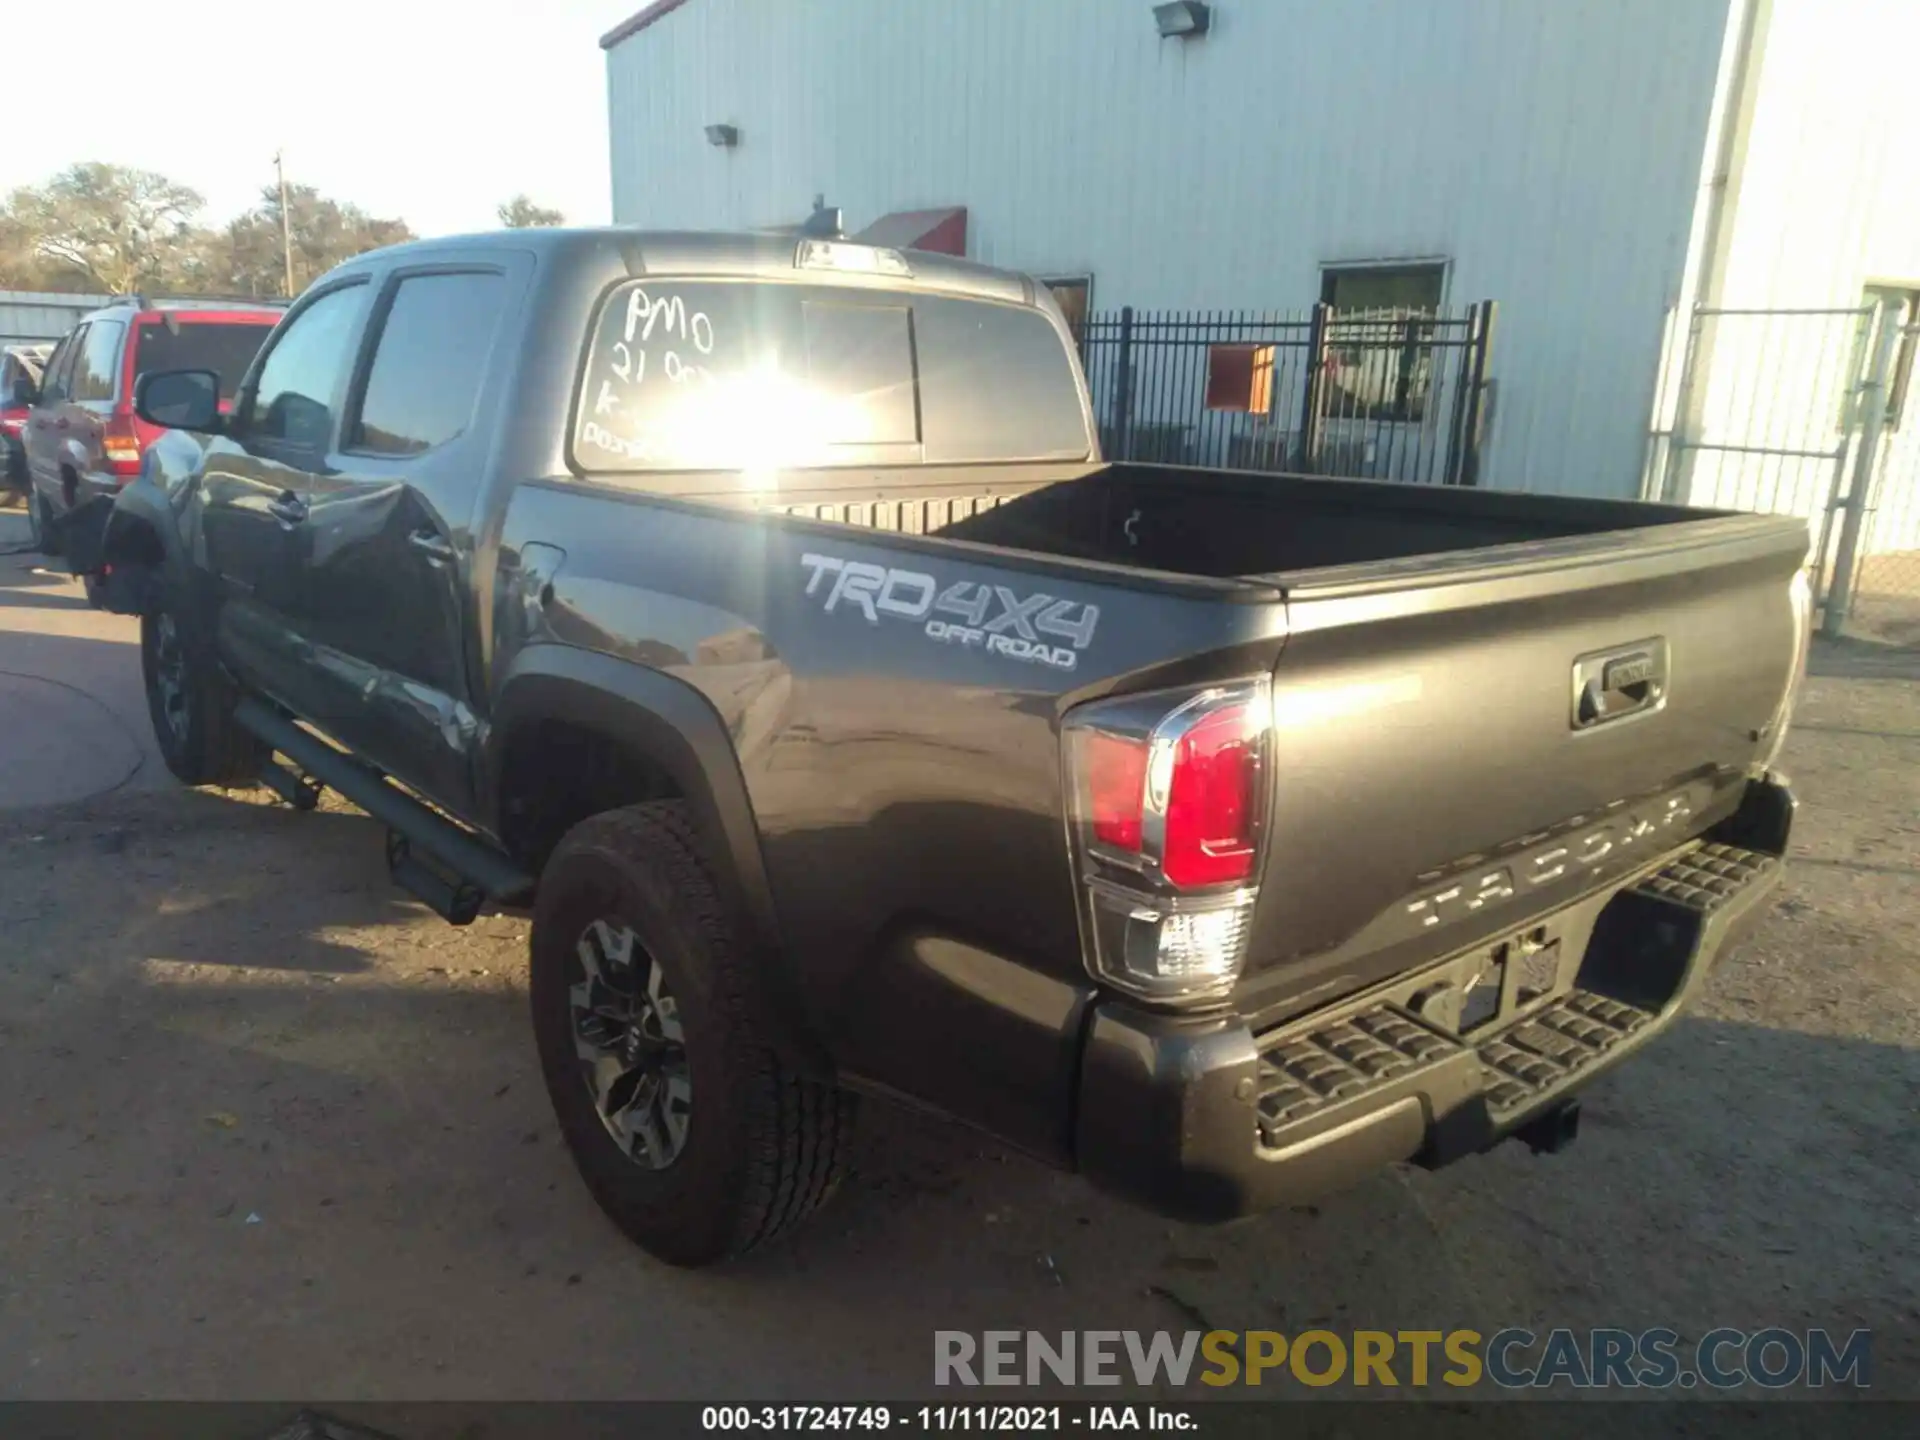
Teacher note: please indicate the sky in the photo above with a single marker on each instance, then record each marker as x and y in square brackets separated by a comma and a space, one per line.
[427, 111]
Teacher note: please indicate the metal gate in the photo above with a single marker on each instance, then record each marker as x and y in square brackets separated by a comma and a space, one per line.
[1378, 394]
[1804, 412]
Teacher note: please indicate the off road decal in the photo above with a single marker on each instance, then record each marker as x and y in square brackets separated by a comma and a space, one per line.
[963, 612]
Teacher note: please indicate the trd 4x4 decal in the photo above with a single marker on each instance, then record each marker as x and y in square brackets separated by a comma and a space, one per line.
[966, 612]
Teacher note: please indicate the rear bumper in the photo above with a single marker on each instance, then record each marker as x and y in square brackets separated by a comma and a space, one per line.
[1203, 1119]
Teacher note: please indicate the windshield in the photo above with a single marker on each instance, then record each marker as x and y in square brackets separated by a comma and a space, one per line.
[225, 347]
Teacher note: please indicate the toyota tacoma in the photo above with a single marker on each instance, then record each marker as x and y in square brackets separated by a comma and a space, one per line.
[757, 611]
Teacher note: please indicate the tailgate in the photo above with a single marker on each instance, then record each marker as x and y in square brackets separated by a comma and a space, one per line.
[1466, 741]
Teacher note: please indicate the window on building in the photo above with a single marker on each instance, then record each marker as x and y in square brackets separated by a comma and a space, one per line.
[1379, 340]
[97, 370]
[1900, 379]
[1074, 295]
[429, 363]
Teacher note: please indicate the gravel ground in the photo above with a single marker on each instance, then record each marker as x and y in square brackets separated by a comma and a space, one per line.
[272, 1129]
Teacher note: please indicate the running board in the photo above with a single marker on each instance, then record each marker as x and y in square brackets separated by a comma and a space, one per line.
[450, 848]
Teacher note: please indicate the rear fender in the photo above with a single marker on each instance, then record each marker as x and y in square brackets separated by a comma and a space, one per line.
[679, 731]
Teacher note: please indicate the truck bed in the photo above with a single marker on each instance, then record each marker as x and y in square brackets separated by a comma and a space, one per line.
[1426, 676]
[1228, 524]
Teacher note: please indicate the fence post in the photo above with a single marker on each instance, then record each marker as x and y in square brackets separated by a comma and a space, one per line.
[1469, 399]
[1684, 418]
[1123, 387]
[1462, 387]
[1849, 426]
[1873, 420]
[1313, 394]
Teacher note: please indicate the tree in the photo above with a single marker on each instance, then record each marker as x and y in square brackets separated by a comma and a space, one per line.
[246, 255]
[112, 227]
[520, 213]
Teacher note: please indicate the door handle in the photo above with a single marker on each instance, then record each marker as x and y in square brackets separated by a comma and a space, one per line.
[430, 544]
[61, 423]
[289, 509]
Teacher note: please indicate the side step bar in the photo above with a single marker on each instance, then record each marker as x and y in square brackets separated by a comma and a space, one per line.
[471, 862]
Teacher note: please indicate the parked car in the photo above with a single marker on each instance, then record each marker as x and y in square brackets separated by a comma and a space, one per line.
[82, 438]
[759, 612]
[20, 370]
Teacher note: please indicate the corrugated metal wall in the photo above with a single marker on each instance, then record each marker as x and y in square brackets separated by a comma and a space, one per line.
[1829, 203]
[32, 315]
[1548, 151]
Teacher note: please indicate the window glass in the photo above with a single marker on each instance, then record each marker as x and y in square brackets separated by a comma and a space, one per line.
[429, 362]
[739, 375]
[996, 383]
[303, 371]
[96, 373]
[60, 368]
[1379, 340]
[223, 346]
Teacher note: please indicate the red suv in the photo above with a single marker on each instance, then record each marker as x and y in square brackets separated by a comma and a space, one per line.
[82, 438]
[20, 370]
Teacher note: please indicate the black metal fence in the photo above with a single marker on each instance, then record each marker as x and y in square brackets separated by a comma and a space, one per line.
[1381, 394]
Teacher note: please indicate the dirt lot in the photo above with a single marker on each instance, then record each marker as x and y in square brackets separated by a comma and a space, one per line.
[271, 1129]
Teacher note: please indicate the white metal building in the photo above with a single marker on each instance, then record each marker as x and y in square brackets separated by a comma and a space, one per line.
[1598, 167]
[27, 316]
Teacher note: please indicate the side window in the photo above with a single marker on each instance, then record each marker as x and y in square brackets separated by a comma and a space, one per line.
[293, 400]
[60, 366]
[97, 370]
[429, 363]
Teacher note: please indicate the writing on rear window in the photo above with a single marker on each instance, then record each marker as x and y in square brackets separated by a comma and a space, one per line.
[724, 375]
[968, 613]
[713, 374]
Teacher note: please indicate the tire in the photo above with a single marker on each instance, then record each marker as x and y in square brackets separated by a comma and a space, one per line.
[191, 702]
[41, 525]
[758, 1147]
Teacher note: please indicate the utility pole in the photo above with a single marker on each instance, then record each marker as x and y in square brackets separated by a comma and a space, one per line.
[286, 224]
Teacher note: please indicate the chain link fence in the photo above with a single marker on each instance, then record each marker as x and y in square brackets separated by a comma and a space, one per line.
[1806, 412]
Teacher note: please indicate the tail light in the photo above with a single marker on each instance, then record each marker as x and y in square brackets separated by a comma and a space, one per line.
[122, 445]
[1168, 810]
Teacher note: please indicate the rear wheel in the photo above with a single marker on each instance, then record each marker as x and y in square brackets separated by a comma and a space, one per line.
[191, 703]
[690, 1132]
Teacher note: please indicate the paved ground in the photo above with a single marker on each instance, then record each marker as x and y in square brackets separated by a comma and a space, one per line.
[271, 1129]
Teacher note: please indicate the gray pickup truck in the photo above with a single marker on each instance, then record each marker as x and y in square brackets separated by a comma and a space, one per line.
[759, 612]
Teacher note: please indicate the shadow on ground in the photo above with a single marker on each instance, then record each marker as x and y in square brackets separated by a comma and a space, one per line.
[274, 1130]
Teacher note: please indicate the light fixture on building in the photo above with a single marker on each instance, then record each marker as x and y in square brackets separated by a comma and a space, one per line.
[1183, 19]
[724, 136]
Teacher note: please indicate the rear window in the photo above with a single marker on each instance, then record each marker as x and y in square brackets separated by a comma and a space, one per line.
[225, 347]
[723, 375]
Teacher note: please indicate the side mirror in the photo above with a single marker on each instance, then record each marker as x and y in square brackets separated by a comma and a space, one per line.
[25, 392]
[180, 400]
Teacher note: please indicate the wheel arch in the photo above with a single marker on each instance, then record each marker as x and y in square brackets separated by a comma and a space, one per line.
[673, 744]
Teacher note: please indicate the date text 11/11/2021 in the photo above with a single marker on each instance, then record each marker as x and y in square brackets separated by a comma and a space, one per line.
[941, 1419]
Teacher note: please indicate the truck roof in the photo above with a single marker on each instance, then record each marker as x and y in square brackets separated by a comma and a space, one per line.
[766, 255]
